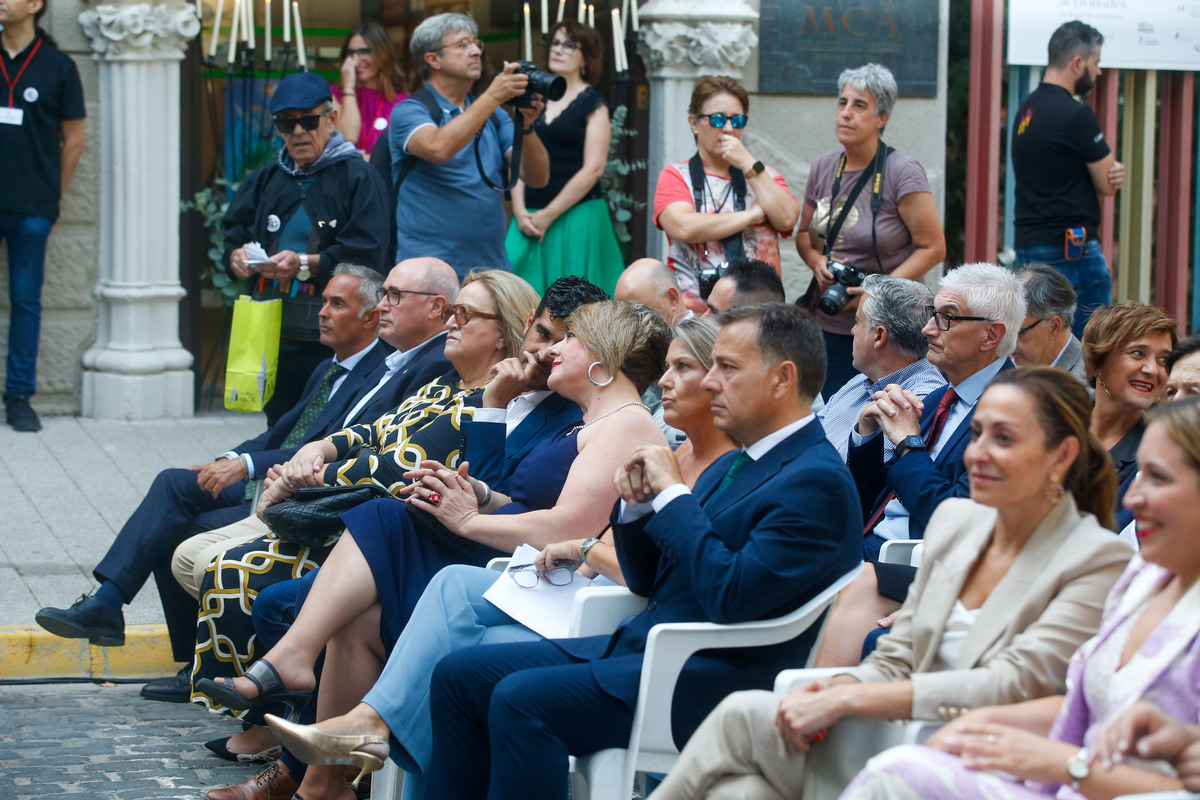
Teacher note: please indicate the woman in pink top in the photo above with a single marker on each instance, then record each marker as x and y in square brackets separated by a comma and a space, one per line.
[372, 84]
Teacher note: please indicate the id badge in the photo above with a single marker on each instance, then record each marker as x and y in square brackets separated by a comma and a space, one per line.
[12, 116]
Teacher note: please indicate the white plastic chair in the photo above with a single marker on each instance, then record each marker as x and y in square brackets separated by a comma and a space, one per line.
[902, 551]
[610, 773]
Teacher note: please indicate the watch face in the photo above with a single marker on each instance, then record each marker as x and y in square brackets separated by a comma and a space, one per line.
[1077, 767]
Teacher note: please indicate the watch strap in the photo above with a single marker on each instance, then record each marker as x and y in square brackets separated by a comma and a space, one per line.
[756, 170]
[909, 443]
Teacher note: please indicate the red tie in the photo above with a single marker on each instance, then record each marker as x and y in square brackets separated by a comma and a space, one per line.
[940, 415]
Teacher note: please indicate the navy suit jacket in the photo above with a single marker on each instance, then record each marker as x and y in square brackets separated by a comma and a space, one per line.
[427, 362]
[784, 529]
[921, 483]
[494, 457]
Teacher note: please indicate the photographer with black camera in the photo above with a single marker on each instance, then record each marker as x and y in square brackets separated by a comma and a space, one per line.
[447, 145]
[868, 209]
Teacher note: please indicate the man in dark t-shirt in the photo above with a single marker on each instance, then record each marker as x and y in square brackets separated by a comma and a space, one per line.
[1062, 162]
[41, 139]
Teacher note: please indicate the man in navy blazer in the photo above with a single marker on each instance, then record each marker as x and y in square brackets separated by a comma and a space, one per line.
[764, 530]
[183, 502]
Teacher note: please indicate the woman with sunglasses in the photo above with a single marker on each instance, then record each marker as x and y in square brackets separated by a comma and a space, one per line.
[483, 328]
[365, 592]
[564, 228]
[894, 229]
[699, 202]
[372, 84]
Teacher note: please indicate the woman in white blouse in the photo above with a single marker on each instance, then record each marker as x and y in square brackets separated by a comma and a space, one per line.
[1012, 582]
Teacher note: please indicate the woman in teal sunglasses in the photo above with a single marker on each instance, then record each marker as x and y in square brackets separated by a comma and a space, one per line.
[721, 204]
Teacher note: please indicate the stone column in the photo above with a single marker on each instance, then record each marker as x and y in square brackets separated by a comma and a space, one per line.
[138, 369]
[680, 41]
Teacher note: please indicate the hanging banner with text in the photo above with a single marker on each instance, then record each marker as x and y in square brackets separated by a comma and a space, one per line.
[805, 44]
[1138, 34]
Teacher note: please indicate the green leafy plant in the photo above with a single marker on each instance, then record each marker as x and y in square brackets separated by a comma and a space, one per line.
[211, 203]
[621, 204]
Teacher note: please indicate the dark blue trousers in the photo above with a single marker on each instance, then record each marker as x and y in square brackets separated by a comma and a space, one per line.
[174, 509]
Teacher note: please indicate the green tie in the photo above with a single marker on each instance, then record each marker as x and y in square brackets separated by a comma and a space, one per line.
[740, 463]
[312, 410]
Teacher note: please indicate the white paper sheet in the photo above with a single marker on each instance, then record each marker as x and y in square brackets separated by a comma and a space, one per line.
[544, 609]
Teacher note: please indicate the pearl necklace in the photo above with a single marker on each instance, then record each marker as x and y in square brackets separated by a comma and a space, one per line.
[578, 428]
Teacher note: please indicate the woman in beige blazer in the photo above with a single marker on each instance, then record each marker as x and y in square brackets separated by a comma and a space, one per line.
[1013, 581]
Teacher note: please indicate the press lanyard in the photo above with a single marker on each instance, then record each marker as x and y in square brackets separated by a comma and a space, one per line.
[12, 85]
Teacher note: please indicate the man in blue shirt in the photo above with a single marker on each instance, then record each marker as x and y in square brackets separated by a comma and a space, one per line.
[444, 208]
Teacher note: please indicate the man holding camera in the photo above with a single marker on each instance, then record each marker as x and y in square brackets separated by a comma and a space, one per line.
[445, 207]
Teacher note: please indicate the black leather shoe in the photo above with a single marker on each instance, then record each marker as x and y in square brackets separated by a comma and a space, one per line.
[176, 689]
[85, 619]
[21, 416]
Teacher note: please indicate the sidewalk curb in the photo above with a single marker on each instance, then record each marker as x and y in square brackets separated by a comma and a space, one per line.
[28, 652]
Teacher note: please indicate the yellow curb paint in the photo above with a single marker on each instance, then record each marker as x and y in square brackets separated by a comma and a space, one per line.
[27, 651]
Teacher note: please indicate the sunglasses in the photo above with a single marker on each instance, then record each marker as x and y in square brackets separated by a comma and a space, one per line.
[358, 51]
[308, 122]
[738, 121]
[464, 314]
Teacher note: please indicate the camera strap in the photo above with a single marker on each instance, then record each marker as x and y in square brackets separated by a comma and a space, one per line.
[509, 170]
[732, 245]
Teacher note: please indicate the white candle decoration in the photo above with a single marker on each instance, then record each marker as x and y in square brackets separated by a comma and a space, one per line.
[545, 19]
[616, 40]
[215, 38]
[243, 24]
[591, 15]
[299, 37]
[562, 7]
[267, 30]
[582, 15]
[633, 4]
[528, 36]
[233, 30]
[624, 17]
[250, 21]
[287, 22]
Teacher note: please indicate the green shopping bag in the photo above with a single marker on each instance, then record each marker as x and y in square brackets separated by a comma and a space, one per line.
[253, 353]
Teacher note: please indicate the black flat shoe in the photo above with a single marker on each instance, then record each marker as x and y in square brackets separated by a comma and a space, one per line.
[85, 619]
[220, 748]
[270, 689]
[175, 689]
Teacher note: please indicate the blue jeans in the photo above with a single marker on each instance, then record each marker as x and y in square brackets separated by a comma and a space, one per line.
[1088, 274]
[26, 237]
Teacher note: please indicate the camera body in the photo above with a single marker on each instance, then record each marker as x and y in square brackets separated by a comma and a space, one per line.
[547, 84]
[707, 277]
[845, 276]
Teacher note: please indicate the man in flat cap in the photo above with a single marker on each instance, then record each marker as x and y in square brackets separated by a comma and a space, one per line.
[291, 222]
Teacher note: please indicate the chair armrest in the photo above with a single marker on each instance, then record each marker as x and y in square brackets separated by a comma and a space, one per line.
[598, 610]
[898, 551]
[789, 679]
[499, 564]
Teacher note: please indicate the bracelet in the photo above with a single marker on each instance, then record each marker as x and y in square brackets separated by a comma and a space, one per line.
[245, 459]
[347, 94]
[487, 497]
[527, 131]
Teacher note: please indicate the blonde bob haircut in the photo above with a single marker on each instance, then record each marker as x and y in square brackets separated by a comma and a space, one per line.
[624, 336]
[515, 301]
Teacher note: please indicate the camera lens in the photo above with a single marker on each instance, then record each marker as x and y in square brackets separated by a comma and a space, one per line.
[834, 299]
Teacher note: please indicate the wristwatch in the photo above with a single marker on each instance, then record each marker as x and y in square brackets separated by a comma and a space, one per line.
[909, 443]
[756, 170]
[587, 546]
[304, 273]
[1077, 767]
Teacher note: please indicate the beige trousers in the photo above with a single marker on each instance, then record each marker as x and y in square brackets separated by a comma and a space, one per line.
[736, 754]
[193, 555]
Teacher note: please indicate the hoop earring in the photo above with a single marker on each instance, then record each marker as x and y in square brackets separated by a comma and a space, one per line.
[1055, 492]
[595, 382]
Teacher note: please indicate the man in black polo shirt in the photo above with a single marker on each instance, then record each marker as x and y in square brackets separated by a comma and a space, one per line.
[41, 138]
[1061, 162]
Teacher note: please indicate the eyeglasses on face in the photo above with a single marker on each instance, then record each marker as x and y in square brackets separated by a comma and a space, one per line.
[943, 320]
[567, 46]
[738, 121]
[396, 296]
[308, 122]
[362, 52]
[464, 314]
[462, 44]
[526, 575]
[1029, 327]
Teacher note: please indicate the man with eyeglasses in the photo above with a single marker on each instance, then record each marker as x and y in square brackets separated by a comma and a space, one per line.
[317, 205]
[1045, 336]
[443, 139]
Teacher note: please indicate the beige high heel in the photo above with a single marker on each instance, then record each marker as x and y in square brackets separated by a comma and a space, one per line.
[314, 746]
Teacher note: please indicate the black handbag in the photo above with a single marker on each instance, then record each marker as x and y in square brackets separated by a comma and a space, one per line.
[310, 516]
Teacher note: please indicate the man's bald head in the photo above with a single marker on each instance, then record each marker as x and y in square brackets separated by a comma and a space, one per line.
[413, 296]
[652, 282]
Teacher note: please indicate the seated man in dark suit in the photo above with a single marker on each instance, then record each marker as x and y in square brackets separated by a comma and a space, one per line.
[972, 330]
[765, 530]
[182, 502]
[1045, 336]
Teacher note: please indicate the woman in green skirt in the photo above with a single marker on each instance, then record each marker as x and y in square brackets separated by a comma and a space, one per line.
[564, 228]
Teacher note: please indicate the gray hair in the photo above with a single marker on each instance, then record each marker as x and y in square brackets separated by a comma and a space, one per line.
[698, 334]
[427, 37]
[874, 79]
[369, 282]
[993, 292]
[440, 281]
[901, 306]
[1048, 293]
